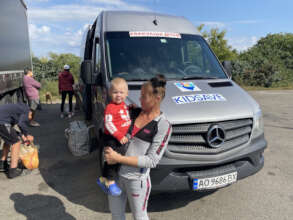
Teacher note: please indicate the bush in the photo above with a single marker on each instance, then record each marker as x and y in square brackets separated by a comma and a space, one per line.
[267, 64]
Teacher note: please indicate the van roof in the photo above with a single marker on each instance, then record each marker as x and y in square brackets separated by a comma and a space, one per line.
[143, 21]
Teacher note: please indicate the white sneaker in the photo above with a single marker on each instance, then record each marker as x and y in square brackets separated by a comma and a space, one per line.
[34, 124]
[61, 115]
[70, 114]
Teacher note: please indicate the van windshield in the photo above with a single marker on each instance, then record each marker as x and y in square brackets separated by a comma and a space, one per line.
[141, 58]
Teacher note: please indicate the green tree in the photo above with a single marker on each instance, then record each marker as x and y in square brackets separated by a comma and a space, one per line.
[60, 60]
[46, 71]
[218, 43]
[49, 67]
[268, 63]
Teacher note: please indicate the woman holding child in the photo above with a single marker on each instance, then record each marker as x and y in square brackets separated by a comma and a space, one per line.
[150, 132]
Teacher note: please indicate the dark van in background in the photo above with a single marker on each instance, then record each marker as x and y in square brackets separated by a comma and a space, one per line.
[15, 54]
[217, 136]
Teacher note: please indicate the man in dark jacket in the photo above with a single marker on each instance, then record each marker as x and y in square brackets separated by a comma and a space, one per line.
[11, 115]
[66, 82]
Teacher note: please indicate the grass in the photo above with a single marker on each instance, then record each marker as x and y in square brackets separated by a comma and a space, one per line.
[52, 87]
[255, 88]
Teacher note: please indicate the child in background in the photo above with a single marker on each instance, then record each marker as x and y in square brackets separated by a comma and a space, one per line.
[116, 125]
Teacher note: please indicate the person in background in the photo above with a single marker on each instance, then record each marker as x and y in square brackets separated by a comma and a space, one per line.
[31, 87]
[11, 115]
[66, 82]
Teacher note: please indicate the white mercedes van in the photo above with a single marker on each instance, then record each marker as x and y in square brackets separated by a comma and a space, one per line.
[217, 136]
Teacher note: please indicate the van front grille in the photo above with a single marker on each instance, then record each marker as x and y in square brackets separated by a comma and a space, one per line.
[192, 138]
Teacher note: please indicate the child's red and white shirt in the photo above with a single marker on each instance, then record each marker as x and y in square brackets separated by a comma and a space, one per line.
[116, 120]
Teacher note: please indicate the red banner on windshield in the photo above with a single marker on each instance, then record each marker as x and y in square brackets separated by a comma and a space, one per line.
[154, 34]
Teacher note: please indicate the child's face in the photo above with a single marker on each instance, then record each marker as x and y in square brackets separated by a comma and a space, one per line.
[118, 93]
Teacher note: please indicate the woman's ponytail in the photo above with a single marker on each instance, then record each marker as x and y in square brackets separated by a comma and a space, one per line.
[158, 84]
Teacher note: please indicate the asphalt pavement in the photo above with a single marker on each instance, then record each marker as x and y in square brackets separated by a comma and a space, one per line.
[64, 186]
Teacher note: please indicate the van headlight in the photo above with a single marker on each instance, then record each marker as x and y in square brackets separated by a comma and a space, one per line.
[258, 127]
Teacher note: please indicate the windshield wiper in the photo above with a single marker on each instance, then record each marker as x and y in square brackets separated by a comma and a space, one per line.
[136, 80]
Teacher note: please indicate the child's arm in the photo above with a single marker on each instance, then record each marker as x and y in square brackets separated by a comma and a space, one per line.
[110, 126]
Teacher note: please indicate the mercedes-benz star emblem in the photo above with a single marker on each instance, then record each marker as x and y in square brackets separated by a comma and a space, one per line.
[216, 136]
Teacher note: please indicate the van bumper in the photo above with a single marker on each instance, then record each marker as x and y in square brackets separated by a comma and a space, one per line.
[176, 175]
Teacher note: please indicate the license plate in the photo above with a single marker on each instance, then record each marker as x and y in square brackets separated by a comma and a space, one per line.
[214, 182]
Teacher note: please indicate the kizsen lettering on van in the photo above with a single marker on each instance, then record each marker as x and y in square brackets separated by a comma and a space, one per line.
[195, 98]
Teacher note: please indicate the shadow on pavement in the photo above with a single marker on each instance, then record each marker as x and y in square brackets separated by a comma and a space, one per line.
[40, 207]
[168, 201]
[72, 177]
[75, 178]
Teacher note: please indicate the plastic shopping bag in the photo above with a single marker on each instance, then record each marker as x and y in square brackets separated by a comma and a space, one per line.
[29, 156]
[78, 139]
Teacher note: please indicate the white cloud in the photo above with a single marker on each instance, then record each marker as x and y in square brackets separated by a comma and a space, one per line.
[119, 4]
[242, 43]
[37, 32]
[30, 1]
[212, 24]
[64, 13]
[75, 12]
[109, 2]
[59, 28]
[45, 29]
[85, 26]
[246, 22]
[226, 25]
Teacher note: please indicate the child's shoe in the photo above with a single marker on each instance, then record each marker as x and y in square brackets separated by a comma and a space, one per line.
[114, 190]
[102, 184]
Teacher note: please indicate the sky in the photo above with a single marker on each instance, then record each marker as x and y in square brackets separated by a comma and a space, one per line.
[58, 25]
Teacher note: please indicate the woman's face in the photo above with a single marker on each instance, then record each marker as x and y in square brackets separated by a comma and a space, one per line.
[147, 99]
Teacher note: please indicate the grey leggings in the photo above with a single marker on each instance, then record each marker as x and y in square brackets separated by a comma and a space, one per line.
[137, 192]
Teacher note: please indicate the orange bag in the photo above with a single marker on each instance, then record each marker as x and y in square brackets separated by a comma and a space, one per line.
[29, 156]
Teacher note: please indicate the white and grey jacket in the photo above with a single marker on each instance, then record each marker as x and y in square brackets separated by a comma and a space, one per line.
[148, 144]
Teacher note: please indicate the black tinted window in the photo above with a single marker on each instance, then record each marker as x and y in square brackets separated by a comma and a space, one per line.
[140, 58]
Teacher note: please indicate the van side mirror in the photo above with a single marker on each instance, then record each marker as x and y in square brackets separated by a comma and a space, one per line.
[228, 67]
[86, 72]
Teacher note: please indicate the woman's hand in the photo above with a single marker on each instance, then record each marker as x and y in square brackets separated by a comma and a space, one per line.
[132, 106]
[111, 156]
[124, 140]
